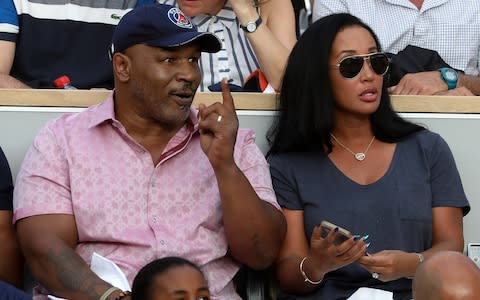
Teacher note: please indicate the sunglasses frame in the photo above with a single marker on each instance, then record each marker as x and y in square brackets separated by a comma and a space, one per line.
[365, 57]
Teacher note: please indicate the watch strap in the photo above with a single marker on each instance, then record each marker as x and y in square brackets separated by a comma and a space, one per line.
[451, 83]
[257, 23]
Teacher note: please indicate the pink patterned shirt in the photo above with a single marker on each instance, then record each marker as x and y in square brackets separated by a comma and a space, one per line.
[127, 209]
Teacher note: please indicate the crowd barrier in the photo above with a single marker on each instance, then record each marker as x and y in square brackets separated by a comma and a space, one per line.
[457, 119]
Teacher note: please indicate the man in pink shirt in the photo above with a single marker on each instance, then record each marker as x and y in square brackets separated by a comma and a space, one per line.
[143, 175]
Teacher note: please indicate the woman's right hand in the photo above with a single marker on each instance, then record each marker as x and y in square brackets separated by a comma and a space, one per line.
[324, 256]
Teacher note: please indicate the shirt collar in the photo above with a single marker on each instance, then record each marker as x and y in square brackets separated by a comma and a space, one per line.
[427, 4]
[104, 111]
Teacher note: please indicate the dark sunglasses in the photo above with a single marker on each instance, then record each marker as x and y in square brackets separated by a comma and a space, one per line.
[350, 66]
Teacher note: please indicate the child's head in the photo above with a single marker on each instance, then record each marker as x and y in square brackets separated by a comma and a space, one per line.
[170, 278]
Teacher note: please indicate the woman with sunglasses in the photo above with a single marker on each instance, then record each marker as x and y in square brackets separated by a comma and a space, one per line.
[340, 153]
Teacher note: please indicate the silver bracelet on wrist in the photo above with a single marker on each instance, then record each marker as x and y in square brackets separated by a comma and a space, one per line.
[420, 257]
[305, 277]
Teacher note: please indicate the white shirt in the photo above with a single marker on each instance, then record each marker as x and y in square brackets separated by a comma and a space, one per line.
[450, 27]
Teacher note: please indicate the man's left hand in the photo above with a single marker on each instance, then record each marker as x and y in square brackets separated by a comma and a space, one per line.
[459, 91]
[218, 126]
[390, 264]
[423, 83]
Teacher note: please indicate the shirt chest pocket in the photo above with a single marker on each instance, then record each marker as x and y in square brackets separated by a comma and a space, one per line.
[415, 202]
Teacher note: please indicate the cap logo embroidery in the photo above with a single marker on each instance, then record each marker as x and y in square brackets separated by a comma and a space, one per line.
[178, 18]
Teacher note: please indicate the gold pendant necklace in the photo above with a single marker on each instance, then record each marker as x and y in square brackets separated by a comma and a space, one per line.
[359, 155]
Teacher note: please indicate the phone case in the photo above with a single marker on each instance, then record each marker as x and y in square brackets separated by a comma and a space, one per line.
[342, 233]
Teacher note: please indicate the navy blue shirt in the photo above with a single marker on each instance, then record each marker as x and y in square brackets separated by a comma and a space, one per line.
[396, 210]
[6, 187]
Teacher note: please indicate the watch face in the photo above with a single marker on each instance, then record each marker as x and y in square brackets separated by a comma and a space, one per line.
[450, 75]
[251, 27]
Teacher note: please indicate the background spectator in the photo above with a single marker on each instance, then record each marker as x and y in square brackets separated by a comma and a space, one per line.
[43, 40]
[447, 275]
[266, 47]
[452, 28]
[170, 278]
[11, 261]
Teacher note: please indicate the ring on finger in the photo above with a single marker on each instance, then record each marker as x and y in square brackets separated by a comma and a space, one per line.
[375, 275]
[219, 118]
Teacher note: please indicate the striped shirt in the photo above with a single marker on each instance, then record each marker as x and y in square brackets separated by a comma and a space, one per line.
[67, 37]
[236, 60]
[452, 28]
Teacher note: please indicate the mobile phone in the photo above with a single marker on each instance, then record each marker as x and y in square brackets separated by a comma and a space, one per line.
[341, 236]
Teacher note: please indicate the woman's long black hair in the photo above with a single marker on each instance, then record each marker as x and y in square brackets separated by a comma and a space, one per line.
[306, 115]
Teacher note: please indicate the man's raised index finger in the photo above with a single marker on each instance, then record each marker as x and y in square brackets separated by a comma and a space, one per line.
[226, 95]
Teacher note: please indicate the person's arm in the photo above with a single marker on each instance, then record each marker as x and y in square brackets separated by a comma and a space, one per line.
[321, 255]
[254, 228]
[274, 38]
[48, 243]
[448, 201]
[45, 221]
[295, 248]
[7, 54]
[470, 82]
[431, 83]
[447, 235]
[11, 261]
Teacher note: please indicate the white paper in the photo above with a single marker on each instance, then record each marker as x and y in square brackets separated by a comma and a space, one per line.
[108, 271]
[365, 293]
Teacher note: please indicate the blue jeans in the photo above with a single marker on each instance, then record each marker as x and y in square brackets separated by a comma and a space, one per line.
[9, 292]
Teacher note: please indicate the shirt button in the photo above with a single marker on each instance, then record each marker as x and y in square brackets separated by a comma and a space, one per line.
[214, 19]
[162, 242]
[154, 220]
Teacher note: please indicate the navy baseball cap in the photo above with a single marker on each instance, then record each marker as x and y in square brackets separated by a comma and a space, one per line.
[160, 25]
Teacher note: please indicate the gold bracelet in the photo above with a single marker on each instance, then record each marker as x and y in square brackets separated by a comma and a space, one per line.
[305, 277]
[108, 292]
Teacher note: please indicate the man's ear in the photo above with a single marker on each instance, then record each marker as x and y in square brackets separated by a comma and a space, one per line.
[121, 66]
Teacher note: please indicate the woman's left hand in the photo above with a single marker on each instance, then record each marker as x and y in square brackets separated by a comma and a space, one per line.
[390, 264]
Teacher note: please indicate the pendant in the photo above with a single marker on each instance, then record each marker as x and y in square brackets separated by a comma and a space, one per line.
[359, 156]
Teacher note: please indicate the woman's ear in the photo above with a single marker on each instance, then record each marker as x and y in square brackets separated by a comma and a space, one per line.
[121, 66]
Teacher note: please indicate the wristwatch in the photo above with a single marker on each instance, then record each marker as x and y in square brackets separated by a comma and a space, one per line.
[450, 77]
[252, 26]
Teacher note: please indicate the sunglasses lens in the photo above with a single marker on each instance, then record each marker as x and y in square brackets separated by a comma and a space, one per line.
[351, 66]
[379, 63]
